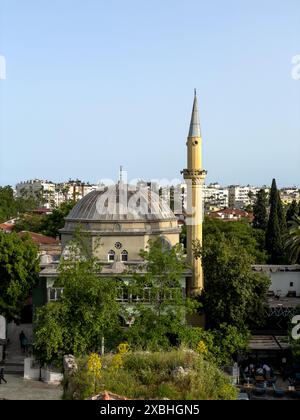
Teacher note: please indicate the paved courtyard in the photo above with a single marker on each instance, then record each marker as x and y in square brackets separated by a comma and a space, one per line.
[19, 389]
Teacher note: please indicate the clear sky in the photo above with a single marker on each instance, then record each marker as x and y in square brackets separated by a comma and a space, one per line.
[91, 85]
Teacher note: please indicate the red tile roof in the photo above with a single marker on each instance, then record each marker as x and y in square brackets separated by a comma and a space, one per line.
[231, 214]
[40, 239]
[6, 227]
[107, 396]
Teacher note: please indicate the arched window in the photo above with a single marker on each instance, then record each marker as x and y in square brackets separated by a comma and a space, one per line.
[124, 256]
[111, 255]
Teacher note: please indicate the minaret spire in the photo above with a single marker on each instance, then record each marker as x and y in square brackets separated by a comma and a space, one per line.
[195, 130]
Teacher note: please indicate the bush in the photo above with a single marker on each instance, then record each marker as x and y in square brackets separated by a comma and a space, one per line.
[175, 375]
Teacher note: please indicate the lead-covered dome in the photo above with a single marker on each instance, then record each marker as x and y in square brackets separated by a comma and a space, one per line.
[121, 202]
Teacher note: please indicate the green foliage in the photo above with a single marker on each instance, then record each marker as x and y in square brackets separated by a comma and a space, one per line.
[251, 240]
[275, 228]
[222, 343]
[233, 294]
[155, 376]
[260, 211]
[52, 223]
[281, 215]
[292, 240]
[11, 206]
[48, 225]
[159, 321]
[292, 211]
[29, 222]
[19, 268]
[87, 311]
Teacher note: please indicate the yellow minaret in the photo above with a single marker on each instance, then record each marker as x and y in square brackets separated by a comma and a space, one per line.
[195, 177]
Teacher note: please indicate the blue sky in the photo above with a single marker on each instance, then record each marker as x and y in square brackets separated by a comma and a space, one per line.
[91, 85]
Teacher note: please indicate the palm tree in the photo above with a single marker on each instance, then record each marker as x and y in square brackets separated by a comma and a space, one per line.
[292, 239]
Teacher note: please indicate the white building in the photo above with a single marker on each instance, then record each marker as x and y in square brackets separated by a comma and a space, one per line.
[288, 195]
[42, 190]
[242, 196]
[285, 279]
[53, 195]
[215, 196]
[72, 190]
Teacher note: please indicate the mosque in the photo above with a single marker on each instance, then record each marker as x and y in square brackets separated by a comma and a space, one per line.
[124, 218]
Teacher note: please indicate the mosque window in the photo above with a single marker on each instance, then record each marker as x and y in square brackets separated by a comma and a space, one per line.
[118, 245]
[124, 256]
[111, 255]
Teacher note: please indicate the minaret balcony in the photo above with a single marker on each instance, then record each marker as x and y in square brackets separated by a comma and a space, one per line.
[194, 173]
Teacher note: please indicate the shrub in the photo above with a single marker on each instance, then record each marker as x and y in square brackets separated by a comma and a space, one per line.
[178, 374]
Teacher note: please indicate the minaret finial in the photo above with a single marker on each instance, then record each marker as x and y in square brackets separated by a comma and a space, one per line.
[195, 90]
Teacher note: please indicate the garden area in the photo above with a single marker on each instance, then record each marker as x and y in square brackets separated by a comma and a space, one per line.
[175, 375]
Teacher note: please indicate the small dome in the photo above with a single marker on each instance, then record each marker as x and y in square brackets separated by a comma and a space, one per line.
[121, 203]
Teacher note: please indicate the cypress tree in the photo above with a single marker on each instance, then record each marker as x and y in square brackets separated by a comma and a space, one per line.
[274, 243]
[281, 215]
[260, 211]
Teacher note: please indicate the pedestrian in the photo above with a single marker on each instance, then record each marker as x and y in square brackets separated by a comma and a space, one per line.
[2, 376]
[267, 371]
[25, 344]
[21, 338]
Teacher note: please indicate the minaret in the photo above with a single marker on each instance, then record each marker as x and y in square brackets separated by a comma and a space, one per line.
[195, 177]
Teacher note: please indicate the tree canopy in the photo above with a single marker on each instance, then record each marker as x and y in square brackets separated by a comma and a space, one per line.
[292, 240]
[11, 206]
[251, 240]
[233, 293]
[19, 268]
[49, 224]
[158, 323]
[87, 311]
[260, 211]
[275, 228]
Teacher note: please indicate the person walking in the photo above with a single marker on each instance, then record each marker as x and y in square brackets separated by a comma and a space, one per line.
[2, 376]
[22, 336]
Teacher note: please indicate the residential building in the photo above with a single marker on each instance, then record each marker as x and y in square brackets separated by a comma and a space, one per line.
[42, 190]
[242, 196]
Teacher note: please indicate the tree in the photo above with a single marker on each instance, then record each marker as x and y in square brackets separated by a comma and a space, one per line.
[274, 242]
[10, 206]
[19, 268]
[292, 211]
[233, 293]
[252, 240]
[29, 222]
[281, 215]
[260, 211]
[158, 322]
[292, 240]
[52, 223]
[218, 346]
[87, 311]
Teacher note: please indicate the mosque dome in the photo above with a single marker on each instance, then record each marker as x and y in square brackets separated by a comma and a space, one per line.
[121, 203]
